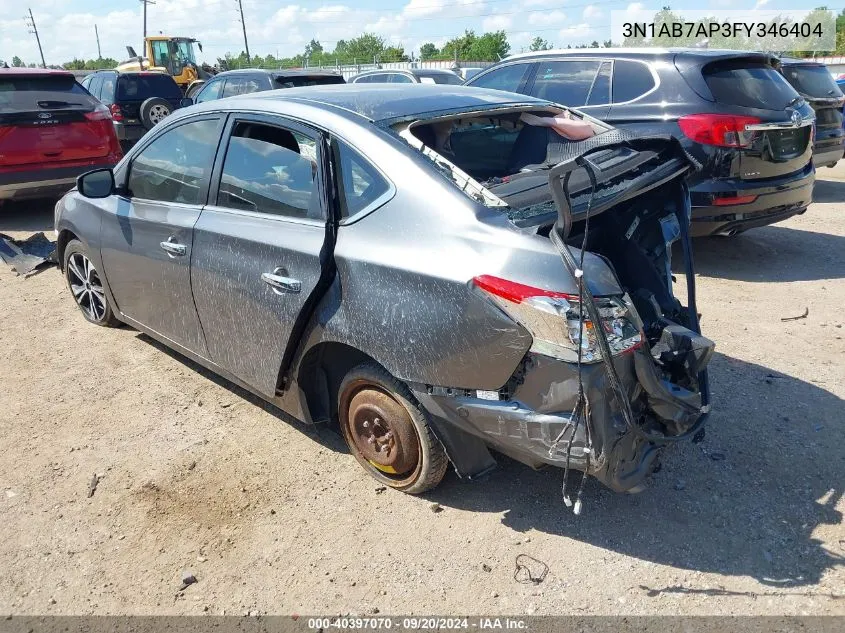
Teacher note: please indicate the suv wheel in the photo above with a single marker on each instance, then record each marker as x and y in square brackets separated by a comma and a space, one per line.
[388, 432]
[153, 111]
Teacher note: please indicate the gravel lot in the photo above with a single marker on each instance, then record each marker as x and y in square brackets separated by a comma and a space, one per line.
[273, 517]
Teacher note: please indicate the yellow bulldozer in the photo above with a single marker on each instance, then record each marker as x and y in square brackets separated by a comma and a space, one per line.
[172, 55]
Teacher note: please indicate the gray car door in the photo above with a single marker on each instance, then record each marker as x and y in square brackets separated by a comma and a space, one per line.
[257, 249]
[147, 235]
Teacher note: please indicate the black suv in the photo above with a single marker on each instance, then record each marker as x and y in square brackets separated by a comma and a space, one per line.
[733, 111]
[137, 100]
[239, 82]
[814, 82]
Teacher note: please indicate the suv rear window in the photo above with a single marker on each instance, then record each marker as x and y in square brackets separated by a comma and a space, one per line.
[748, 85]
[47, 83]
[141, 87]
[813, 81]
[19, 94]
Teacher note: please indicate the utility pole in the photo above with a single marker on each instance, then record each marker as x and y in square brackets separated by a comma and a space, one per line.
[145, 3]
[99, 52]
[243, 24]
[33, 29]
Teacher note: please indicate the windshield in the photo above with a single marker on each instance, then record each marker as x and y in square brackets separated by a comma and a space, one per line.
[813, 81]
[185, 51]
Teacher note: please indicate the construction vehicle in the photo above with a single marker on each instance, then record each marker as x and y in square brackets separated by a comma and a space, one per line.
[172, 55]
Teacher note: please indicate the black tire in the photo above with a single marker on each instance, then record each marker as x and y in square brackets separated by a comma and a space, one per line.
[86, 286]
[153, 111]
[371, 380]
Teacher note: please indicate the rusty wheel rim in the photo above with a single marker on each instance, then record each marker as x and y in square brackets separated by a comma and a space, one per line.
[381, 433]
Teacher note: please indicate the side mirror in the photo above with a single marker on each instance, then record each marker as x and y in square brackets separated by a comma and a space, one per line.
[96, 184]
[184, 102]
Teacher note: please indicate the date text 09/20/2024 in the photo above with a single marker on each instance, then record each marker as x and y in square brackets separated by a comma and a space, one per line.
[418, 623]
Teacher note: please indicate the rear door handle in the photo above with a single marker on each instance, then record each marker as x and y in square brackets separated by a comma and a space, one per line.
[173, 248]
[281, 284]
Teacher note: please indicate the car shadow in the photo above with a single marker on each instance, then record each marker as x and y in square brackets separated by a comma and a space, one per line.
[745, 502]
[768, 254]
[321, 433]
[829, 191]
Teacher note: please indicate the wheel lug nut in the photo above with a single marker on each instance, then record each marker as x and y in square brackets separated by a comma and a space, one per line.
[366, 424]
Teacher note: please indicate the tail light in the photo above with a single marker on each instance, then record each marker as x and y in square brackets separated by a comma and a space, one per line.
[555, 319]
[116, 114]
[721, 130]
[725, 201]
[100, 113]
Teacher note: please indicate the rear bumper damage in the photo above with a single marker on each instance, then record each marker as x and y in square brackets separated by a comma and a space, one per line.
[611, 416]
[534, 423]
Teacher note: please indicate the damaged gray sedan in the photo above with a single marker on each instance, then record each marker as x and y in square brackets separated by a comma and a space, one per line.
[439, 270]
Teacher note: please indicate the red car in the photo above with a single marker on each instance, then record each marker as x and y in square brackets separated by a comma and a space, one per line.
[51, 131]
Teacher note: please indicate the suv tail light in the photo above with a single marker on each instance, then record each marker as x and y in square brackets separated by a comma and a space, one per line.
[555, 322]
[100, 113]
[721, 130]
[116, 114]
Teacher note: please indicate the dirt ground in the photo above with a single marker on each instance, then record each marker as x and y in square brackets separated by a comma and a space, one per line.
[273, 517]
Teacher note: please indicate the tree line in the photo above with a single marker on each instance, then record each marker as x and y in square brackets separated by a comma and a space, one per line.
[369, 48]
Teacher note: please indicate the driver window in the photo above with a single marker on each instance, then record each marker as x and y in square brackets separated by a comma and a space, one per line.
[174, 166]
[271, 170]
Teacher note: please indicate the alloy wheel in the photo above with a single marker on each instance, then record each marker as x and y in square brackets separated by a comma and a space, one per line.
[158, 113]
[86, 287]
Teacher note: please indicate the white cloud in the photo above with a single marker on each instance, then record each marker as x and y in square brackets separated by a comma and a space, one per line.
[761, 3]
[576, 30]
[551, 18]
[497, 23]
[591, 11]
[635, 7]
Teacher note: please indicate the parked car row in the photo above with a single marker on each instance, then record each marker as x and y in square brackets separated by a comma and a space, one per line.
[733, 111]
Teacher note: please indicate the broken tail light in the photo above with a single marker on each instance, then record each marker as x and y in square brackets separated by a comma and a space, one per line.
[555, 320]
[721, 130]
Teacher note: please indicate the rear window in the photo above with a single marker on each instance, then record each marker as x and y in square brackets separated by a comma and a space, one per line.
[439, 78]
[309, 80]
[749, 85]
[813, 81]
[140, 87]
[23, 93]
[52, 83]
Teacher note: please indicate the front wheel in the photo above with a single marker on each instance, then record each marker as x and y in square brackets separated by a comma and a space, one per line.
[86, 286]
[388, 432]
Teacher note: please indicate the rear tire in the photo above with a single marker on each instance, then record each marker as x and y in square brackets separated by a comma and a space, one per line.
[86, 286]
[153, 111]
[388, 431]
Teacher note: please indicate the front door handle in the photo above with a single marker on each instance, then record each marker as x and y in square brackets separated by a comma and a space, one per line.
[280, 283]
[172, 247]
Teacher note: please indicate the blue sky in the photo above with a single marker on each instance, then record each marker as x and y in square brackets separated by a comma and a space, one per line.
[67, 28]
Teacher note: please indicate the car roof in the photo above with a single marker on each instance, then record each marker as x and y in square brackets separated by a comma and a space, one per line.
[35, 71]
[283, 72]
[641, 53]
[380, 102]
[412, 71]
